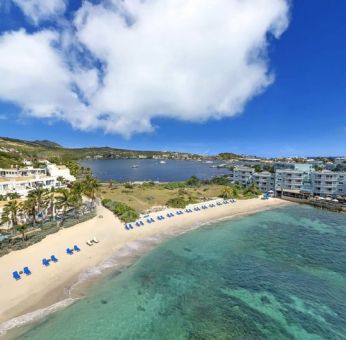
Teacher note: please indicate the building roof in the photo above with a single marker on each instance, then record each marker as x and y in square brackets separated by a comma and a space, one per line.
[24, 178]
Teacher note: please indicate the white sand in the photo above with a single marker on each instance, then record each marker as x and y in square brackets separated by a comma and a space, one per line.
[48, 285]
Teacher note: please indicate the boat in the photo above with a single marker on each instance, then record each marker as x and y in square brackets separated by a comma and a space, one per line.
[134, 166]
[209, 162]
[162, 162]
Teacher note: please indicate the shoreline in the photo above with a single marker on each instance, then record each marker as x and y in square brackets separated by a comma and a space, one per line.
[53, 288]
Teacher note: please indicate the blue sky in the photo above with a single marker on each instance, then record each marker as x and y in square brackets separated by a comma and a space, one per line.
[301, 113]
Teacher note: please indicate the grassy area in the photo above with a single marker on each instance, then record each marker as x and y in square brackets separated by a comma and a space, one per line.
[142, 197]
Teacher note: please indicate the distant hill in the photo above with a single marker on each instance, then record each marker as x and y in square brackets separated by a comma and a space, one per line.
[14, 151]
[47, 143]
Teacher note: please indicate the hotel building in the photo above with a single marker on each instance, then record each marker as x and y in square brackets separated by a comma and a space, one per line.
[22, 181]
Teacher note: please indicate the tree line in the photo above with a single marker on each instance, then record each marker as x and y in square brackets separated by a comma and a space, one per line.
[42, 204]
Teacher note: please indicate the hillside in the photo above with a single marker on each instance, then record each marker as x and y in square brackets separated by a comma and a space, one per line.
[14, 151]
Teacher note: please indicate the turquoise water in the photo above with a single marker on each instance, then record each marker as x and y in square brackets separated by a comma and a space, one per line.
[279, 274]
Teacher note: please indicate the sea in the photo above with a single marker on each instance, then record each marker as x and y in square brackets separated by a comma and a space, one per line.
[277, 274]
[152, 169]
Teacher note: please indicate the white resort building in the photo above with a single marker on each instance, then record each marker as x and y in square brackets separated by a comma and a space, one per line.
[22, 181]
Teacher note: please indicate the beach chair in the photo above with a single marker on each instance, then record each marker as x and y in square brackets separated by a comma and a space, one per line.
[27, 271]
[141, 222]
[76, 248]
[126, 227]
[16, 276]
[148, 220]
[45, 262]
[69, 251]
[152, 220]
[95, 240]
[137, 224]
[54, 259]
[89, 243]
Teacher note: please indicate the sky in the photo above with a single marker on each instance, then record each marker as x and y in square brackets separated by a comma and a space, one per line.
[256, 77]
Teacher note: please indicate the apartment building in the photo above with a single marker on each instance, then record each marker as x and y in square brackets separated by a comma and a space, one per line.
[291, 179]
[265, 180]
[328, 183]
[242, 175]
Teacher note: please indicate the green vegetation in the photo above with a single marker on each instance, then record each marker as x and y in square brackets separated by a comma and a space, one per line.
[142, 197]
[125, 213]
[227, 156]
[180, 202]
[9, 159]
[55, 208]
[265, 167]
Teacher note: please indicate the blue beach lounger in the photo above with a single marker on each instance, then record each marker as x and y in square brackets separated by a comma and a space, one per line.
[138, 224]
[69, 251]
[16, 276]
[141, 222]
[45, 262]
[54, 259]
[76, 248]
[27, 271]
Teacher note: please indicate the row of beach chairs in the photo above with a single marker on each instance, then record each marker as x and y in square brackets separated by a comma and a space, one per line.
[45, 262]
[128, 226]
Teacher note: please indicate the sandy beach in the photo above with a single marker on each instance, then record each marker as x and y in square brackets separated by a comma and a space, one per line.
[48, 285]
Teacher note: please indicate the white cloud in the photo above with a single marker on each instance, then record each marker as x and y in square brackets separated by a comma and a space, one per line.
[38, 10]
[3, 117]
[181, 59]
[34, 75]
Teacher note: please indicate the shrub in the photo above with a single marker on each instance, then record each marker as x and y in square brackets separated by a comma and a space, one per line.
[174, 185]
[121, 210]
[193, 181]
[180, 202]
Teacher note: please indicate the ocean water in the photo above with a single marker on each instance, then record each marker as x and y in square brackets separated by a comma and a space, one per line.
[279, 274]
[151, 170]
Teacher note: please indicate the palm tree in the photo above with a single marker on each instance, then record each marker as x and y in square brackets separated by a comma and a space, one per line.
[75, 201]
[29, 209]
[51, 205]
[90, 185]
[22, 228]
[40, 197]
[226, 193]
[63, 202]
[10, 212]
